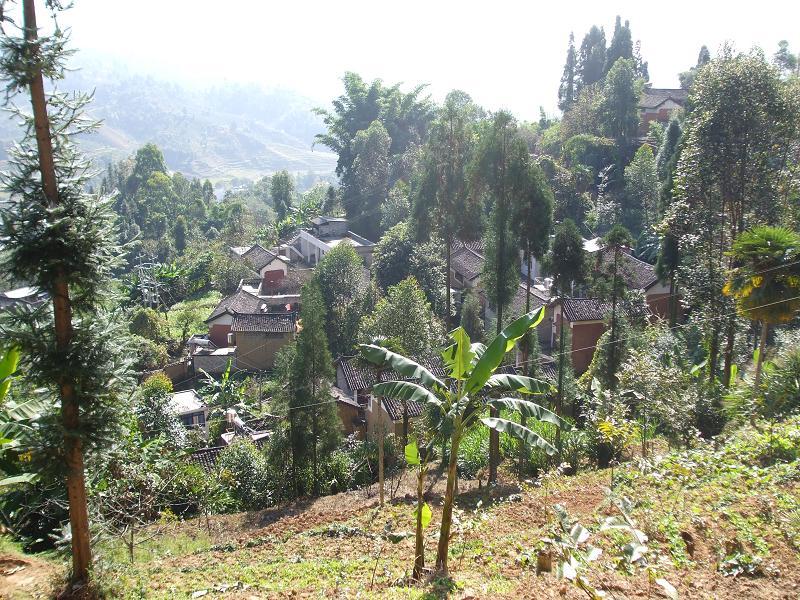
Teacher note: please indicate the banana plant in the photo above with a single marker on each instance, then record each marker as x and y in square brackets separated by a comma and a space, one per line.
[455, 405]
[14, 419]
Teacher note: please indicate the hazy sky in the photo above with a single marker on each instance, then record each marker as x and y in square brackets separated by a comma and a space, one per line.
[505, 54]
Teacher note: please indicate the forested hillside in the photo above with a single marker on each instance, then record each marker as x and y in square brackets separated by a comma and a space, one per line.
[220, 132]
[477, 357]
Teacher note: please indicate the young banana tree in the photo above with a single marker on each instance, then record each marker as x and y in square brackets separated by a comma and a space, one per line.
[460, 402]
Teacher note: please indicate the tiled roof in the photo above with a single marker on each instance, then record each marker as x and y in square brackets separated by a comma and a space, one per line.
[636, 273]
[395, 408]
[264, 322]
[476, 246]
[239, 302]
[592, 309]
[259, 257]
[360, 377]
[206, 457]
[655, 97]
[340, 396]
[518, 302]
[467, 263]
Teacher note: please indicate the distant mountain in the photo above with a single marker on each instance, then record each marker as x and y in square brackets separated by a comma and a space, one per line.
[224, 132]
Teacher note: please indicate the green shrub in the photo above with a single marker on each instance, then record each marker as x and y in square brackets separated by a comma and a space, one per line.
[243, 471]
[149, 324]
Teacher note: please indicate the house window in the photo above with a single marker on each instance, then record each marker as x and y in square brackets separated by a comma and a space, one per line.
[194, 420]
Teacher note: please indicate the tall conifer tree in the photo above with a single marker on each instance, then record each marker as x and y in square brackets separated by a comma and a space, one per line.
[63, 241]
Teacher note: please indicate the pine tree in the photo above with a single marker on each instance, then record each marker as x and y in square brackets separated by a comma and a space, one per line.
[621, 45]
[282, 192]
[567, 90]
[471, 317]
[591, 58]
[442, 203]
[63, 241]
[315, 427]
[567, 263]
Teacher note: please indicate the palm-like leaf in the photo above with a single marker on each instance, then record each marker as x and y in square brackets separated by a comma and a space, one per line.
[495, 352]
[530, 409]
[531, 438]
[406, 391]
[517, 383]
[405, 366]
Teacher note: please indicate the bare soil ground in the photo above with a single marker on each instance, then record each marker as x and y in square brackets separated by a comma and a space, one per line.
[333, 547]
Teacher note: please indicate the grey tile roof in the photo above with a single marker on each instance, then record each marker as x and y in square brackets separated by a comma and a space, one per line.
[363, 377]
[655, 97]
[518, 302]
[592, 309]
[238, 302]
[395, 408]
[259, 257]
[358, 377]
[637, 274]
[264, 322]
[467, 263]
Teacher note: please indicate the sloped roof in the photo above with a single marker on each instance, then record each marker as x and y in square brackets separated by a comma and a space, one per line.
[655, 97]
[238, 302]
[476, 246]
[259, 257]
[518, 302]
[206, 457]
[467, 263]
[264, 322]
[360, 377]
[186, 401]
[592, 309]
[394, 408]
[637, 274]
[340, 396]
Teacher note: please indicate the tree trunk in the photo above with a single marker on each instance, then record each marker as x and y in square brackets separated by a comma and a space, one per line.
[673, 301]
[612, 350]
[448, 243]
[62, 311]
[729, 349]
[526, 368]
[419, 546]
[447, 509]
[405, 424]
[762, 346]
[380, 453]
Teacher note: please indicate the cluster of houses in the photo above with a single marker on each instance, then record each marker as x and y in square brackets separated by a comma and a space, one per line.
[248, 328]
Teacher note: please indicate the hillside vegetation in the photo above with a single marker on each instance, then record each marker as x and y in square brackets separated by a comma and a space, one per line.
[221, 132]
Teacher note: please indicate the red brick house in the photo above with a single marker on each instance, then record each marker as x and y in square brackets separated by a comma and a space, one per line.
[586, 319]
[659, 104]
[221, 319]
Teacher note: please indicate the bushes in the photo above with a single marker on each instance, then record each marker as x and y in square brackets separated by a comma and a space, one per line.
[148, 323]
[149, 354]
[244, 472]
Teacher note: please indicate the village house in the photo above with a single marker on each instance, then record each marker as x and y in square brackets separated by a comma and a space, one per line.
[244, 331]
[189, 407]
[586, 319]
[259, 336]
[659, 104]
[356, 381]
[325, 234]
